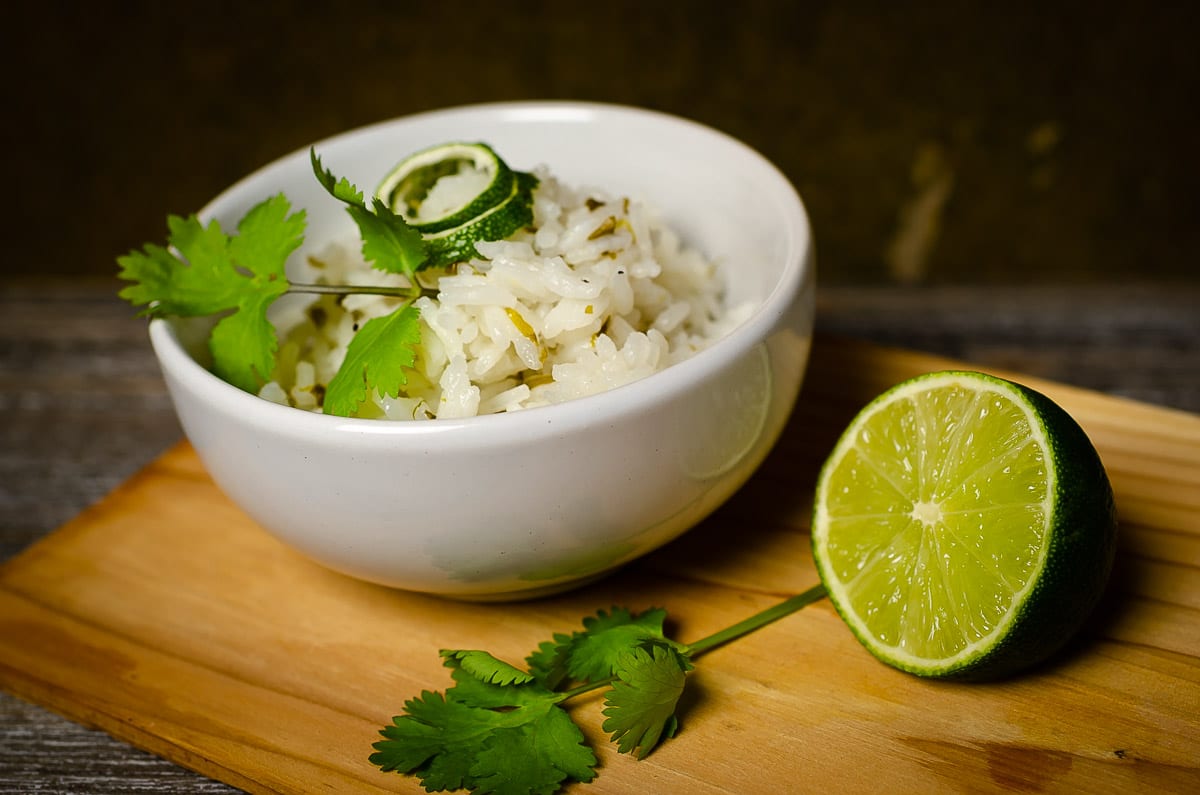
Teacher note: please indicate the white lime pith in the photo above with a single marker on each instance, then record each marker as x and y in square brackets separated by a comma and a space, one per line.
[963, 524]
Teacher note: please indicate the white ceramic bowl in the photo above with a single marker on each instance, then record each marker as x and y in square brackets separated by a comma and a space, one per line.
[520, 504]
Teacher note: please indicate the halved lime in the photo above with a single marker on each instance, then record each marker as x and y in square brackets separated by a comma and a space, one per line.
[963, 526]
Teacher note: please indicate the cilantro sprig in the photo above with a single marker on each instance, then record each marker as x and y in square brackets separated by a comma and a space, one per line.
[212, 273]
[204, 271]
[503, 729]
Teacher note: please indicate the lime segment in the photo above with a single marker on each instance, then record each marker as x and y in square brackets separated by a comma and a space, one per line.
[963, 524]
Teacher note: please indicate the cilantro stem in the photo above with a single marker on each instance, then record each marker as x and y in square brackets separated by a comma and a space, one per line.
[758, 620]
[586, 687]
[744, 627]
[359, 289]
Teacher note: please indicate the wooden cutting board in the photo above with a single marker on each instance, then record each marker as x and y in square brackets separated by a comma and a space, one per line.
[166, 617]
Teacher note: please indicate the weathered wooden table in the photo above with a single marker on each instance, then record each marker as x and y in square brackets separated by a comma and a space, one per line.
[84, 408]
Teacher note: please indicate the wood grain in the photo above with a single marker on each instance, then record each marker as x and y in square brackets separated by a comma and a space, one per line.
[167, 618]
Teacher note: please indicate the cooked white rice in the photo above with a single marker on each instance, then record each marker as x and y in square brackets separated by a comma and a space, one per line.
[598, 293]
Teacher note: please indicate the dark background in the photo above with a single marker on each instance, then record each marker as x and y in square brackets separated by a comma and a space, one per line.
[933, 143]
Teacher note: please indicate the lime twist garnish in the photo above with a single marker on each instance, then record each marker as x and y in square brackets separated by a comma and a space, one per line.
[963, 526]
[457, 195]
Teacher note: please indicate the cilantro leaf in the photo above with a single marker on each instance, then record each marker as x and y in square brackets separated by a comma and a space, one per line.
[341, 189]
[375, 359]
[204, 282]
[485, 667]
[389, 243]
[547, 751]
[592, 654]
[548, 662]
[607, 636]
[486, 738]
[214, 273]
[267, 236]
[435, 738]
[244, 344]
[640, 708]
[477, 693]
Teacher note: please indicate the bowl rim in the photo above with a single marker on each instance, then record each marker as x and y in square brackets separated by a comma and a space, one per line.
[606, 407]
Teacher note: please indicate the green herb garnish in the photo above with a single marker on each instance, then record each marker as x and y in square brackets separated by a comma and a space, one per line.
[214, 273]
[205, 272]
[503, 729]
